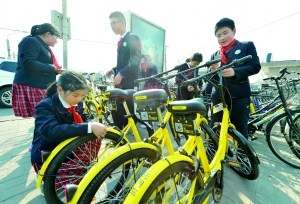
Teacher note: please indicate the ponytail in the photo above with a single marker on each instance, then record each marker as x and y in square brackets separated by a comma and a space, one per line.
[34, 30]
[52, 89]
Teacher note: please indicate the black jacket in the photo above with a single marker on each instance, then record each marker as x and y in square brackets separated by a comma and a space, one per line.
[238, 86]
[54, 124]
[128, 62]
[35, 68]
[187, 75]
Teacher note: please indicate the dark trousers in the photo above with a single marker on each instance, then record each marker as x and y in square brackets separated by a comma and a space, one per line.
[119, 115]
[239, 114]
[184, 94]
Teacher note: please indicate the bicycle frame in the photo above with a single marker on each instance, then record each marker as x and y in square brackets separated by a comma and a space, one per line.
[286, 109]
[211, 170]
[161, 138]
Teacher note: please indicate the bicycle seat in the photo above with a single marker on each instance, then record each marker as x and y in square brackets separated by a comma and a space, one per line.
[130, 92]
[192, 106]
[150, 97]
[119, 94]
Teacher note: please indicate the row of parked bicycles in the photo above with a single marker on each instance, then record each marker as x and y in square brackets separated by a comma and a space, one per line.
[179, 161]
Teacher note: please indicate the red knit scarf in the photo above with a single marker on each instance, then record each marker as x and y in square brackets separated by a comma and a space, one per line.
[223, 50]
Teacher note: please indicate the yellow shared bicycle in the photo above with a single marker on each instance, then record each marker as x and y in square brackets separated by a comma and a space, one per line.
[195, 172]
[111, 179]
[72, 158]
[96, 102]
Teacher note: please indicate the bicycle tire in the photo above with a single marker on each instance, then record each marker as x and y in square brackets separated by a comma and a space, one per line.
[155, 191]
[93, 111]
[53, 190]
[124, 161]
[105, 111]
[245, 156]
[279, 143]
[295, 137]
[106, 115]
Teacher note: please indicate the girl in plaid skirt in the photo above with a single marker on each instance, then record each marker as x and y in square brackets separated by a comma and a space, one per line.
[37, 68]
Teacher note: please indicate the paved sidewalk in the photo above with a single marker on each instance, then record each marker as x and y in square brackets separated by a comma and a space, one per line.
[277, 183]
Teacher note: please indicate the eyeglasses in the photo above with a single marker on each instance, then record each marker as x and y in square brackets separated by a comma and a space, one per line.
[55, 36]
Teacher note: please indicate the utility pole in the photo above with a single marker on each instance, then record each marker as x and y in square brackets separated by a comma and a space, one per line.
[8, 42]
[62, 22]
[65, 33]
[8, 48]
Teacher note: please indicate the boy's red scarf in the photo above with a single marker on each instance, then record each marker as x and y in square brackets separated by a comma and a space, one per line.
[223, 50]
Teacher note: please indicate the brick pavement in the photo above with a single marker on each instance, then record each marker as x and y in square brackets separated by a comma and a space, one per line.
[277, 183]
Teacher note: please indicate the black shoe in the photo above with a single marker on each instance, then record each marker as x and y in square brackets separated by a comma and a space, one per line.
[252, 137]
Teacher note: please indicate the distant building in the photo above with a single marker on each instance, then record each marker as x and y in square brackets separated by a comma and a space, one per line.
[272, 68]
[269, 57]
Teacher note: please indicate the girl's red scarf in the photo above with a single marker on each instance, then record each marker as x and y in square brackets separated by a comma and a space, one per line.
[223, 50]
[76, 117]
[54, 61]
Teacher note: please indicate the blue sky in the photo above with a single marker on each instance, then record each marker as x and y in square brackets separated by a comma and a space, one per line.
[272, 25]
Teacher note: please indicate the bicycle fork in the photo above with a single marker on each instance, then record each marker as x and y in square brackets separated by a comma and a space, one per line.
[214, 185]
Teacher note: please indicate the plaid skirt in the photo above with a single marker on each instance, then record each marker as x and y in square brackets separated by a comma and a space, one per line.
[25, 98]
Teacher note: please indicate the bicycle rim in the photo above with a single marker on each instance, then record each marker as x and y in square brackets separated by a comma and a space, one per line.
[239, 151]
[172, 185]
[294, 139]
[243, 154]
[93, 112]
[281, 143]
[71, 164]
[113, 183]
[106, 114]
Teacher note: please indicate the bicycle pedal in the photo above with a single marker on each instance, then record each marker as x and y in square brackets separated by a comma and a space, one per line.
[232, 163]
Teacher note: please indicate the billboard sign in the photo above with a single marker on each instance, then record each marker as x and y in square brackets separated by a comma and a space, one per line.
[152, 38]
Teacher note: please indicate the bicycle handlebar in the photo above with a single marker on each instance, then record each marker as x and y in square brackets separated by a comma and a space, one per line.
[235, 62]
[153, 76]
[282, 72]
[207, 64]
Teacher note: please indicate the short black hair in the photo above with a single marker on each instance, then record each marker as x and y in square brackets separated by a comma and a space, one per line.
[224, 22]
[118, 15]
[197, 57]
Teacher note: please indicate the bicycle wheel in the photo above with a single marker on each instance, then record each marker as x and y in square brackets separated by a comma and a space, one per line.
[93, 112]
[112, 184]
[71, 164]
[295, 137]
[240, 151]
[171, 185]
[106, 114]
[283, 143]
